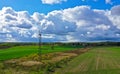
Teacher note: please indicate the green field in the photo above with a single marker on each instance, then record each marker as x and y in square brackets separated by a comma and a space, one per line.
[99, 60]
[20, 51]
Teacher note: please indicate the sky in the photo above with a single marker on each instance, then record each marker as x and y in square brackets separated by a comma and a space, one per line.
[60, 20]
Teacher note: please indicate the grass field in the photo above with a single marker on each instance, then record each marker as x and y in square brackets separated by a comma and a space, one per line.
[99, 60]
[20, 51]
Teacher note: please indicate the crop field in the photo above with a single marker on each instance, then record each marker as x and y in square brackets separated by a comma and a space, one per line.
[99, 60]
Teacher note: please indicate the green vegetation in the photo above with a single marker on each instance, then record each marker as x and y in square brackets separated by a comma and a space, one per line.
[99, 60]
[32, 64]
[20, 51]
[60, 58]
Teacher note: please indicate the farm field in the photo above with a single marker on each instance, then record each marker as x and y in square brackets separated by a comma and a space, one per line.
[25, 60]
[20, 51]
[98, 60]
[63, 59]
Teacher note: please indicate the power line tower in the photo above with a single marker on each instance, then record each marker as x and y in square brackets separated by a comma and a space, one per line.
[40, 46]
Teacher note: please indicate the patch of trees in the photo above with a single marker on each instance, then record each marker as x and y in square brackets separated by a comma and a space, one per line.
[70, 44]
[6, 45]
[91, 44]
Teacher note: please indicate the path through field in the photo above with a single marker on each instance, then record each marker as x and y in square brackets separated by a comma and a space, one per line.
[99, 60]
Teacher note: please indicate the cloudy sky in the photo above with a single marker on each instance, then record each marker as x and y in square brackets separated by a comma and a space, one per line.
[59, 20]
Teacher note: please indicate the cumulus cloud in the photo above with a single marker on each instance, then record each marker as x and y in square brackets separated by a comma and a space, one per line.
[92, 24]
[114, 16]
[14, 25]
[80, 23]
[108, 1]
[52, 1]
[115, 10]
[21, 26]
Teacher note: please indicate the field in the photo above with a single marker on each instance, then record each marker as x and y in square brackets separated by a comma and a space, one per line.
[62, 59]
[99, 60]
[24, 59]
[20, 51]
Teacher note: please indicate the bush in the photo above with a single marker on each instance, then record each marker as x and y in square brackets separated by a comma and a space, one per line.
[50, 67]
[1, 66]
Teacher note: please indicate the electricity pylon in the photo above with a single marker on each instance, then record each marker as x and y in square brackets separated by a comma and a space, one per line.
[40, 46]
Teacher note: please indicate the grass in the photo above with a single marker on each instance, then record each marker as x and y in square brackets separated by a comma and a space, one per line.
[99, 60]
[20, 51]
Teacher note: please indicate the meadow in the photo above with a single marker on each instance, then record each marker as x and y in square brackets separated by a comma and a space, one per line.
[20, 51]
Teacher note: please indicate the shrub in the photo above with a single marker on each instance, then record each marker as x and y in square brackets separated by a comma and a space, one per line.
[50, 67]
[1, 66]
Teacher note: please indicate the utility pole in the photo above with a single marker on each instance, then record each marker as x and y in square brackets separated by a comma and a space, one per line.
[40, 47]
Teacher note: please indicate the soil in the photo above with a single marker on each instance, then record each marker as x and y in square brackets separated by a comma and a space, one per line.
[78, 51]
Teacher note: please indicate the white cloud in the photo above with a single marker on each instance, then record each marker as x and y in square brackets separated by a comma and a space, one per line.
[114, 16]
[52, 1]
[80, 23]
[15, 25]
[91, 24]
[115, 10]
[103, 27]
[108, 1]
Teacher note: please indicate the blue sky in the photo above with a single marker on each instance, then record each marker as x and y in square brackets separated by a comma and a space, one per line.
[59, 20]
[37, 5]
